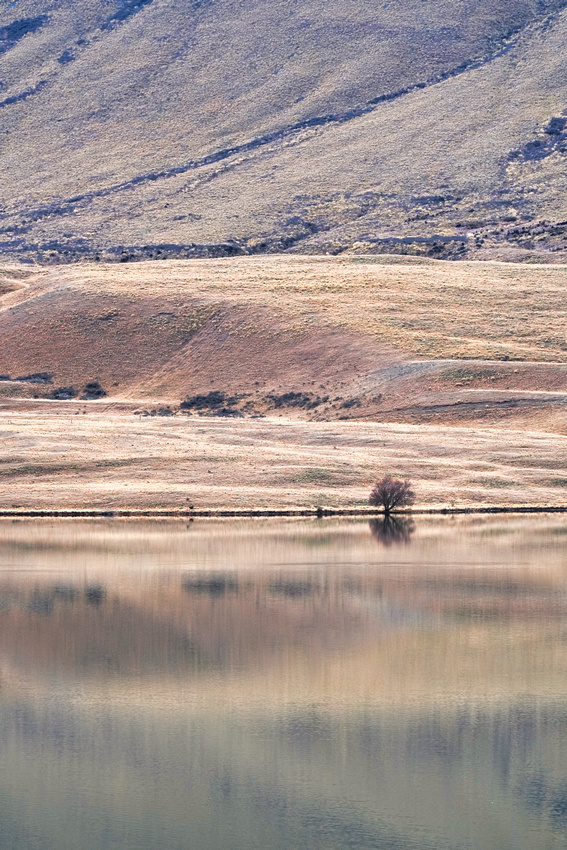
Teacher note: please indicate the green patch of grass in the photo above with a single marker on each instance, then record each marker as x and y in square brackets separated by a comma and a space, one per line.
[54, 468]
[212, 458]
[316, 475]
[36, 469]
[466, 375]
[493, 482]
[113, 464]
[332, 477]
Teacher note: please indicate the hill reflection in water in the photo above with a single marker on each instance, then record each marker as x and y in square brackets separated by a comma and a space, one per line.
[291, 684]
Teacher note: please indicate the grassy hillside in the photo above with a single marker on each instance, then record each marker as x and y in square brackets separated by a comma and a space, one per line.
[140, 128]
[278, 381]
[345, 337]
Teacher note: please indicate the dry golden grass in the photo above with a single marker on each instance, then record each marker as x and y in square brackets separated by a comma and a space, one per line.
[391, 334]
[112, 459]
[426, 309]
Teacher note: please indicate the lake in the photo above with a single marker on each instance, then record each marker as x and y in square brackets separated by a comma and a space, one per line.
[284, 684]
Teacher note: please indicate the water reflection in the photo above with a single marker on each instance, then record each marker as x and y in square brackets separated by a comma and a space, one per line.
[211, 585]
[392, 529]
[283, 685]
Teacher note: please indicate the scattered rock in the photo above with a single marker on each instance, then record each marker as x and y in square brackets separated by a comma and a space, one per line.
[66, 57]
[12, 33]
[124, 11]
[552, 138]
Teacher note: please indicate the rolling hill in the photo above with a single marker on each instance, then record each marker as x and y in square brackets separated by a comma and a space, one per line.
[327, 338]
[158, 128]
[281, 381]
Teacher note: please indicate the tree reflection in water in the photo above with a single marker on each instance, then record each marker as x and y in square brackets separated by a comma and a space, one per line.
[392, 530]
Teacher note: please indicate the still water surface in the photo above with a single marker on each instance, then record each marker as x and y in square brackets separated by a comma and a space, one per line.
[301, 684]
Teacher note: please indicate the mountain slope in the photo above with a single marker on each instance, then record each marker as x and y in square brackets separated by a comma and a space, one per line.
[155, 127]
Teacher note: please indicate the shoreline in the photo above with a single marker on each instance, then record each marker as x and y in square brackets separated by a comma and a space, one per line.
[254, 513]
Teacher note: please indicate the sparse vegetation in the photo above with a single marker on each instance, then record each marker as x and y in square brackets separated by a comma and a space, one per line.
[64, 393]
[296, 399]
[314, 475]
[93, 390]
[292, 589]
[216, 402]
[35, 378]
[208, 401]
[378, 69]
[210, 585]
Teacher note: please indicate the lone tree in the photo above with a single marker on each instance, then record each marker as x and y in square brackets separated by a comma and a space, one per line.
[391, 493]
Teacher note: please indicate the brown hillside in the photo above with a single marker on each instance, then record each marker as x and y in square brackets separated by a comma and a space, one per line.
[394, 337]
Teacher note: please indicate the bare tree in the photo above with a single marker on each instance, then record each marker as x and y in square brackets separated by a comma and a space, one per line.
[392, 493]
